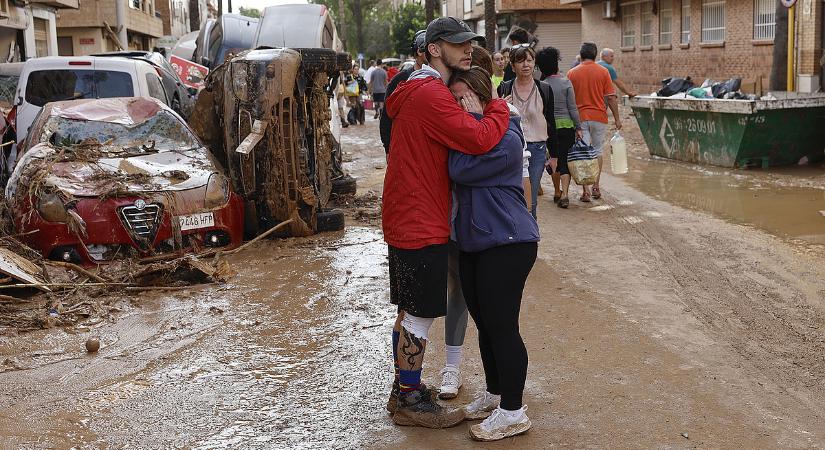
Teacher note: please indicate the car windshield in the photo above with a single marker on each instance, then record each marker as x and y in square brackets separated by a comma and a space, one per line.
[44, 86]
[162, 132]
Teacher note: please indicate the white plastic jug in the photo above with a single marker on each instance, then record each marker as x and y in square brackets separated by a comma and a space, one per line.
[618, 154]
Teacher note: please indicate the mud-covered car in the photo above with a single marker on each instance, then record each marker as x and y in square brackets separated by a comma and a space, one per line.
[265, 114]
[120, 177]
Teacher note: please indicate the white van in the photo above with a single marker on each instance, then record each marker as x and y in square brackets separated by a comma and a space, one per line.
[56, 78]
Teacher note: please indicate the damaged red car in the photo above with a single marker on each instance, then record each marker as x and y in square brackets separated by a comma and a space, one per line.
[105, 179]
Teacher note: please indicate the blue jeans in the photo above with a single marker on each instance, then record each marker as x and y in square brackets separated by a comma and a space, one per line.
[538, 158]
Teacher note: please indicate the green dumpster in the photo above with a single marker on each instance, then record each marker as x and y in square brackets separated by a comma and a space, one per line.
[734, 133]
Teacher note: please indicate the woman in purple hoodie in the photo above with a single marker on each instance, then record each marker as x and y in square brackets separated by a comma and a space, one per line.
[497, 237]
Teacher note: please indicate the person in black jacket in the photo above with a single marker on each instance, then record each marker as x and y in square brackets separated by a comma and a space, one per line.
[535, 102]
[417, 47]
[355, 85]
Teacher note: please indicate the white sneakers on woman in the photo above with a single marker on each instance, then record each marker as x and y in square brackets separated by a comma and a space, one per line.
[501, 424]
[450, 383]
[482, 406]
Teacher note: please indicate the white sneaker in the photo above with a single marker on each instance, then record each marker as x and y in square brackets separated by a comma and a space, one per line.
[482, 406]
[450, 383]
[501, 424]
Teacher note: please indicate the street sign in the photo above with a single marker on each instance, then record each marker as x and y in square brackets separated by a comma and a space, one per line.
[360, 56]
[788, 3]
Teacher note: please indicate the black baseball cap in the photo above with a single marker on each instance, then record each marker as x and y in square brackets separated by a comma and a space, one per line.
[451, 30]
[419, 42]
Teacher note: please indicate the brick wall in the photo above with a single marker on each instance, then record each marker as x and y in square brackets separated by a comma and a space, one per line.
[644, 67]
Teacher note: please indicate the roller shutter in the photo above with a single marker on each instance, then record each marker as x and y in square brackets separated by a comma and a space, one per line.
[565, 36]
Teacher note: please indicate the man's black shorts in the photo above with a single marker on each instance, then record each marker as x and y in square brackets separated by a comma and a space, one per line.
[378, 97]
[418, 280]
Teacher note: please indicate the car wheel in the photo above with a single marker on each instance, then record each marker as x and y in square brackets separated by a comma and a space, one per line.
[344, 185]
[329, 220]
[318, 60]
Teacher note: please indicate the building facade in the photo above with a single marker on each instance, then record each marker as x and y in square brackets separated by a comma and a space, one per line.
[175, 17]
[87, 30]
[715, 39]
[551, 22]
[30, 31]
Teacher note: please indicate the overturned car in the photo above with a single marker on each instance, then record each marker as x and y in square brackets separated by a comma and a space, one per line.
[265, 114]
[120, 177]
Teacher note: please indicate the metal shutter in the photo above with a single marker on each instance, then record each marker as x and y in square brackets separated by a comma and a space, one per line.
[565, 36]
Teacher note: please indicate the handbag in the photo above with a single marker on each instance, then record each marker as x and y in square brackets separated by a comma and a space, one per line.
[352, 88]
[583, 163]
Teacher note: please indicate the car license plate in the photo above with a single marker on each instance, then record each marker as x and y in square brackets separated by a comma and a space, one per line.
[195, 221]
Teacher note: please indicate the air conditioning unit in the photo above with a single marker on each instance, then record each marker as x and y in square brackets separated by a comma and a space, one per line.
[608, 12]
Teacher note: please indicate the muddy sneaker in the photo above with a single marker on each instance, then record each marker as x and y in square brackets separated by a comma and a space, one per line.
[419, 408]
[482, 406]
[450, 383]
[501, 424]
[392, 403]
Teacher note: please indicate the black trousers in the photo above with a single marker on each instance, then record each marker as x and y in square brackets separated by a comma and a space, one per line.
[493, 282]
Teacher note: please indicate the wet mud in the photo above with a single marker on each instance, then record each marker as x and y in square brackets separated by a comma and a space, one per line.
[649, 323]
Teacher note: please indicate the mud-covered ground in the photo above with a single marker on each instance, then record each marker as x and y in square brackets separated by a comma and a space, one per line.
[675, 313]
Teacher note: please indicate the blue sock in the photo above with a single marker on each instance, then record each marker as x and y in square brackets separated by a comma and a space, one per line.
[409, 380]
[396, 336]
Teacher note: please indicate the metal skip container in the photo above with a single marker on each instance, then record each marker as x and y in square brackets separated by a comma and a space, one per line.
[734, 133]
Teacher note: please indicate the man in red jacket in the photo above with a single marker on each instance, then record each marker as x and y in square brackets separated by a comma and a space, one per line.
[427, 122]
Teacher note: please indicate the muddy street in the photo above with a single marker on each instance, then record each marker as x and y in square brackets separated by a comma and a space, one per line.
[685, 309]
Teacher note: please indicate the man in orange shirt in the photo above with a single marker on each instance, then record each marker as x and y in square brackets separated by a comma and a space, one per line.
[593, 87]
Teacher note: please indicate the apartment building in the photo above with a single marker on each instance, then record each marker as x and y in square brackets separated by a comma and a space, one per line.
[175, 17]
[87, 30]
[29, 31]
[716, 39]
[552, 23]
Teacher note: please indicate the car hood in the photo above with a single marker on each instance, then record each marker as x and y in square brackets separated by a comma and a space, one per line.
[110, 176]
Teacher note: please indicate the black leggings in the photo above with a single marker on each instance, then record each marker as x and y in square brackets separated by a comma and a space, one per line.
[493, 281]
[567, 137]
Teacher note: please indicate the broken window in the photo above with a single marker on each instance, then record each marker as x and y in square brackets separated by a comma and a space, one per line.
[161, 132]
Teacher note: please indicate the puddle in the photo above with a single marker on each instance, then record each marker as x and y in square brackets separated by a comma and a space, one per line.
[785, 201]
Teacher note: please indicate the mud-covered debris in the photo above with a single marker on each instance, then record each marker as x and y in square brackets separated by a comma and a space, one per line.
[182, 271]
[21, 269]
[92, 344]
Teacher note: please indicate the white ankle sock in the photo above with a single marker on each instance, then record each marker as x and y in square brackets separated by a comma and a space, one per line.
[453, 354]
[512, 415]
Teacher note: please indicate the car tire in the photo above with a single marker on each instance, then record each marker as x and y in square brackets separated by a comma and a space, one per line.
[318, 60]
[329, 220]
[344, 185]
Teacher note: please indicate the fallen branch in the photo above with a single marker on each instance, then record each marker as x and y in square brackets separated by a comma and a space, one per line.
[60, 285]
[79, 270]
[158, 288]
[259, 237]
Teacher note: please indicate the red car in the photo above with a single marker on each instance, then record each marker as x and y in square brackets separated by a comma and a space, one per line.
[119, 177]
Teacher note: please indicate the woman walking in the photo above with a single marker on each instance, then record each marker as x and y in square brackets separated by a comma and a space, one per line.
[497, 239]
[535, 102]
[568, 126]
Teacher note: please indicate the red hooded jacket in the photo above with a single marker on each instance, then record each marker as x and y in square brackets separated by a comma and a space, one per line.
[427, 122]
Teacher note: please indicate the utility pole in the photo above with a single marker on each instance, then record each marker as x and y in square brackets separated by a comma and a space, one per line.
[429, 9]
[122, 23]
[229, 6]
[490, 24]
[220, 8]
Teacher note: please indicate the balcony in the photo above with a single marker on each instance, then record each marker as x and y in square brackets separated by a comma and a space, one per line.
[60, 4]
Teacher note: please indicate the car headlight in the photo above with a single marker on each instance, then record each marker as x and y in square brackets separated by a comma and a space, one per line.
[239, 80]
[52, 209]
[217, 191]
